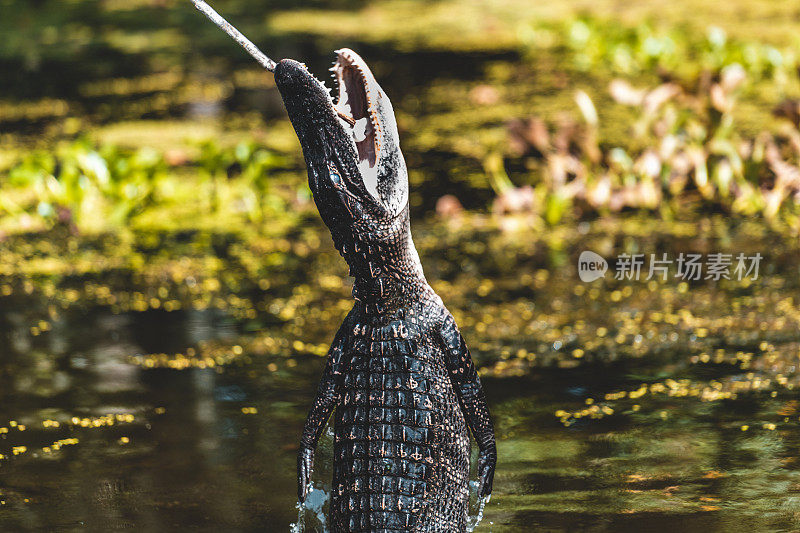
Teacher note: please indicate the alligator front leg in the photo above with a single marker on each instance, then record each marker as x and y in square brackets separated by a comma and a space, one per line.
[328, 396]
[467, 385]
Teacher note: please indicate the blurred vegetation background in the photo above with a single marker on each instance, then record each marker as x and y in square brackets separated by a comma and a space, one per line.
[122, 113]
[167, 291]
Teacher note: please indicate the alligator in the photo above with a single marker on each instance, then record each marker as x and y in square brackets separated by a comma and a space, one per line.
[398, 375]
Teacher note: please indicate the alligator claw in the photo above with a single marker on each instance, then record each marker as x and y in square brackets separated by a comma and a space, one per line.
[486, 463]
[305, 463]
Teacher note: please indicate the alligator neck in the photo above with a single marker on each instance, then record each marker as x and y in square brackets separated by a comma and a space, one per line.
[387, 271]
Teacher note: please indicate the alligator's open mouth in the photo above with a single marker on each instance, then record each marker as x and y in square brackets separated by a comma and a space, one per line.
[355, 108]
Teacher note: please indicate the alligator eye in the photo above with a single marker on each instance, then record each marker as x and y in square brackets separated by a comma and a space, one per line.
[336, 178]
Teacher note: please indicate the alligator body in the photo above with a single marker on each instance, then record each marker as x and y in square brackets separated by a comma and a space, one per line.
[399, 375]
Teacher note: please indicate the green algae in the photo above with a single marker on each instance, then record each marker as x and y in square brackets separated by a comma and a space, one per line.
[612, 400]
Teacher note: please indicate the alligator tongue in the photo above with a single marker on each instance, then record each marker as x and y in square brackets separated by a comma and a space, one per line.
[235, 34]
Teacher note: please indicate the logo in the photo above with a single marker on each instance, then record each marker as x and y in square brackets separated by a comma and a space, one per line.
[689, 266]
[591, 266]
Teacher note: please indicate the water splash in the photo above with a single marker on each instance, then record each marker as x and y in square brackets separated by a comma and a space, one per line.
[300, 525]
[474, 520]
[315, 502]
[318, 497]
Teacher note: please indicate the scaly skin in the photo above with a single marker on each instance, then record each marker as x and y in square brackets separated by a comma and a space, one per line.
[399, 375]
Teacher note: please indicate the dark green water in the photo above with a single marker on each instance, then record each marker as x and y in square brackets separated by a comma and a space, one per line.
[213, 449]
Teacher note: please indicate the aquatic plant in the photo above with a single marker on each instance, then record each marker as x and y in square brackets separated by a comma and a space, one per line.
[95, 188]
[680, 51]
[686, 149]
